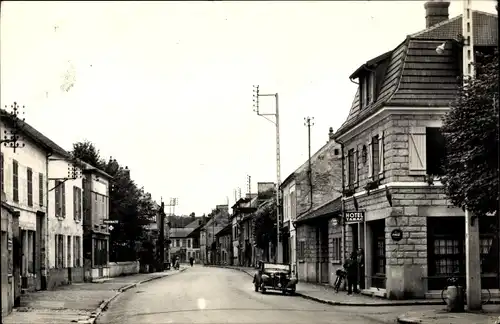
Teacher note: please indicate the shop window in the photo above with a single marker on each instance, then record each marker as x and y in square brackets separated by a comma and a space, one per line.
[100, 252]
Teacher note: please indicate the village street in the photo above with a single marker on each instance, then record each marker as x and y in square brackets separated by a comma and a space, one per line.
[214, 295]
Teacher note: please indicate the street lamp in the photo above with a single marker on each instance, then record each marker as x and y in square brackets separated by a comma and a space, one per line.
[276, 122]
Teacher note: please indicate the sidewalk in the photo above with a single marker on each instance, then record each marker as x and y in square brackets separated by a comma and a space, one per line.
[78, 302]
[326, 295]
[490, 315]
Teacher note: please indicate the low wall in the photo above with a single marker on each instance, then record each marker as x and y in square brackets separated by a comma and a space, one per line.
[117, 269]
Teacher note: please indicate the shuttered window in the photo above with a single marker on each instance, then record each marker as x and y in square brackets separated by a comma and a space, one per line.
[417, 151]
[40, 189]
[15, 181]
[29, 176]
[436, 151]
[351, 167]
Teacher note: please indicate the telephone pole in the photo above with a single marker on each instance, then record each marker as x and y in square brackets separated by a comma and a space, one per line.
[472, 242]
[276, 122]
[162, 237]
[308, 122]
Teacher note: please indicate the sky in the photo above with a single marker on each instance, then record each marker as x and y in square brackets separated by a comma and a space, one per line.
[166, 87]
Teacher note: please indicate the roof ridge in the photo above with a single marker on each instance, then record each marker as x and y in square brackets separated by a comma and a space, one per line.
[435, 26]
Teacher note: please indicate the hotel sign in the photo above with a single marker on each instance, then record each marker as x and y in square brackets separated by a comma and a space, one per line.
[354, 216]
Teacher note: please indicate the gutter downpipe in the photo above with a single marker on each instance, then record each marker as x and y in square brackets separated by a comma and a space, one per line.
[47, 236]
[342, 210]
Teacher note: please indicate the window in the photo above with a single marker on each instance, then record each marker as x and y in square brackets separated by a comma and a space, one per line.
[351, 166]
[76, 251]
[177, 243]
[59, 245]
[15, 181]
[375, 156]
[31, 251]
[1, 172]
[77, 203]
[68, 251]
[301, 250]
[337, 246]
[367, 87]
[60, 198]
[436, 151]
[29, 176]
[40, 189]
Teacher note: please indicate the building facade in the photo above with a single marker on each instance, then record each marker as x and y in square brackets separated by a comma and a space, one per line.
[65, 221]
[223, 238]
[289, 216]
[318, 184]
[393, 152]
[96, 226]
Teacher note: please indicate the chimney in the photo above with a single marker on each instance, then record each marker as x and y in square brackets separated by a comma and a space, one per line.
[330, 134]
[436, 11]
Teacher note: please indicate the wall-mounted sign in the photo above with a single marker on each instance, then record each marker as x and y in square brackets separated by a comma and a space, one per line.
[110, 221]
[354, 217]
[397, 234]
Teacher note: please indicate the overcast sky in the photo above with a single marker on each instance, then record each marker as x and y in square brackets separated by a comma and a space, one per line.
[166, 87]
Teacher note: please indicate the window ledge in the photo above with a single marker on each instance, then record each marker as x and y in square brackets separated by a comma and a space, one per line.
[417, 172]
[60, 218]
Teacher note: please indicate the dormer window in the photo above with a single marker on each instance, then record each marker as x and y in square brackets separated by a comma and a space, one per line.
[367, 89]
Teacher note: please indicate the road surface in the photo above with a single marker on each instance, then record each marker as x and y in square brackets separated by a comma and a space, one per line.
[215, 295]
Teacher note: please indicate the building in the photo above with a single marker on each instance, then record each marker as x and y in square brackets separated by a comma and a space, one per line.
[183, 244]
[24, 182]
[223, 239]
[65, 217]
[11, 254]
[412, 236]
[318, 188]
[96, 226]
[242, 227]
[219, 219]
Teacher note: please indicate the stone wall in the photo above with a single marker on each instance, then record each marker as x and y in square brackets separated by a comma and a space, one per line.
[117, 269]
[326, 179]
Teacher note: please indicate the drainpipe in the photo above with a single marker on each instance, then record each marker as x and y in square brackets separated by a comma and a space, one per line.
[342, 202]
[47, 235]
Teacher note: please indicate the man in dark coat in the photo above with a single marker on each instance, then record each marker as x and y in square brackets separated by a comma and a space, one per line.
[351, 267]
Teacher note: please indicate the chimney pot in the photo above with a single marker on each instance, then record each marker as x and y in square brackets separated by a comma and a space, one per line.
[435, 12]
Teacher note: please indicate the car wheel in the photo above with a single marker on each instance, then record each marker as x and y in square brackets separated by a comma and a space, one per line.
[262, 289]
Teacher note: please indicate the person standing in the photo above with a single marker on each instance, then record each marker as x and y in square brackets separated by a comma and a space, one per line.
[351, 267]
[361, 269]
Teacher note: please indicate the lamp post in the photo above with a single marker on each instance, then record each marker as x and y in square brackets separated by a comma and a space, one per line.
[276, 122]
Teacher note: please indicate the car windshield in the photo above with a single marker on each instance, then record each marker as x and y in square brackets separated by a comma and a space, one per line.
[281, 267]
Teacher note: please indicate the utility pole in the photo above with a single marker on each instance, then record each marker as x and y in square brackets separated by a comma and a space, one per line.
[472, 242]
[162, 237]
[308, 122]
[249, 184]
[276, 122]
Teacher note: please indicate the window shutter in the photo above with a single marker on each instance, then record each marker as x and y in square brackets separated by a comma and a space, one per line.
[369, 159]
[57, 194]
[381, 152]
[346, 171]
[75, 204]
[63, 200]
[356, 168]
[417, 149]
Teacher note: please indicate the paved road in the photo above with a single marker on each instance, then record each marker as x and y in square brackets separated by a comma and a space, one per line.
[214, 295]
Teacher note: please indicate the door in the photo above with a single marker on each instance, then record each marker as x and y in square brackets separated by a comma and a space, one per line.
[324, 252]
[39, 251]
[378, 273]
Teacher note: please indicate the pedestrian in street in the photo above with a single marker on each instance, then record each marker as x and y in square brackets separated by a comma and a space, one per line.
[361, 268]
[351, 267]
[191, 261]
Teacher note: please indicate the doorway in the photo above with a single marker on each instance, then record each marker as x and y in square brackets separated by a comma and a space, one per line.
[378, 252]
[323, 252]
[39, 250]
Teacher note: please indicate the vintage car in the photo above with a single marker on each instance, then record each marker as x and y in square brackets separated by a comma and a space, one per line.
[276, 277]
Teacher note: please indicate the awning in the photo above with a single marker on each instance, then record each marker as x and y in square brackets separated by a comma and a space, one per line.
[326, 211]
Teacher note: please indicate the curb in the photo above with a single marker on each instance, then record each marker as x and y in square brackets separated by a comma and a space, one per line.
[95, 315]
[358, 304]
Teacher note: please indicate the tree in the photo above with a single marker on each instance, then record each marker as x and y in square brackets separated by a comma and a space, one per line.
[264, 225]
[471, 133]
[130, 205]
[192, 215]
[87, 152]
